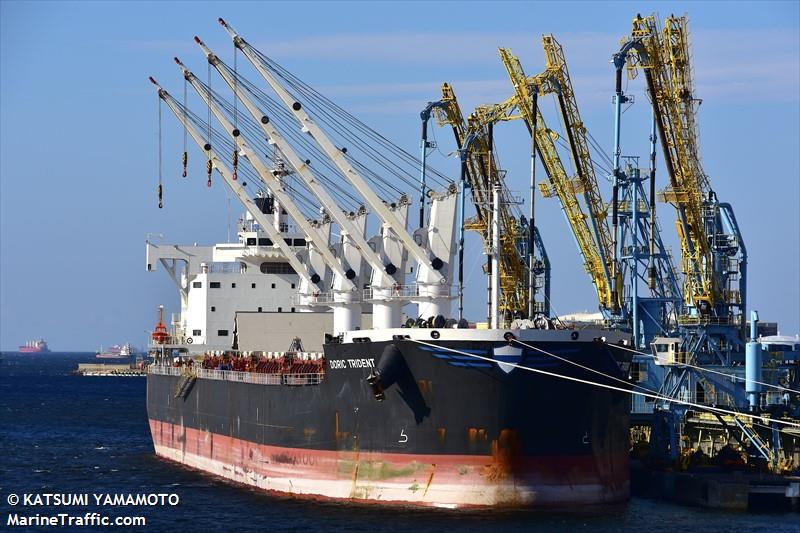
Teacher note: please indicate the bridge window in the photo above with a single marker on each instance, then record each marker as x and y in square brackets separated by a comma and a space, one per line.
[276, 268]
[215, 285]
[196, 332]
[197, 284]
[264, 242]
[222, 332]
[251, 241]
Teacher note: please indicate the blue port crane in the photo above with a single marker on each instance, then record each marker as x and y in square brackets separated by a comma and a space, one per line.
[710, 319]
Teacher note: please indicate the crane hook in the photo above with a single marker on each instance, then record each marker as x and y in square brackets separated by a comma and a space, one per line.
[235, 164]
[185, 160]
[160, 196]
[209, 167]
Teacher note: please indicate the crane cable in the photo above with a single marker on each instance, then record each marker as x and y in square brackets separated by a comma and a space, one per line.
[280, 118]
[605, 386]
[386, 143]
[185, 157]
[160, 188]
[225, 143]
[209, 164]
[330, 110]
[733, 377]
[235, 113]
[609, 376]
[297, 136]
[349, 137]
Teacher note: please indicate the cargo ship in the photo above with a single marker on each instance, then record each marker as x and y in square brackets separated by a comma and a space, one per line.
[338, 370]
[37, 346]
[116, 352]
[450, 430]
[431, 414]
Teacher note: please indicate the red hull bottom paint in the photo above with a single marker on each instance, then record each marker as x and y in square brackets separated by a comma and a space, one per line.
[449, 481]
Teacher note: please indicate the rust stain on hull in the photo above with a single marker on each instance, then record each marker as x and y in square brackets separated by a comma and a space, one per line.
[430, 479]
[506, 455]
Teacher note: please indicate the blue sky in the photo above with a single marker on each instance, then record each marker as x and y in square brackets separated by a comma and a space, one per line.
[78, 132]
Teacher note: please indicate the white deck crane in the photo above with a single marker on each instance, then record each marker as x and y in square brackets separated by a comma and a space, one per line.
[346, 309]
[386, 310]
[237, 187]
[432, 283]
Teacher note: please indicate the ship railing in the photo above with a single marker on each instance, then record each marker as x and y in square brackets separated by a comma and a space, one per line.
[238, 376]
[686, 320]
[401, 292]
[315, 298]
[323, 298]
[164, 370]
[243, 377]
[169, 340]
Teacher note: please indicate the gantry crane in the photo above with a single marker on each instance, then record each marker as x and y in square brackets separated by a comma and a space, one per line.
[664, 59]
[714, 258]
[524, 105]
[608, 262]
[482, 173]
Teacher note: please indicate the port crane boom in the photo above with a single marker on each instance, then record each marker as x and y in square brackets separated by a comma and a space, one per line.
[481, 171]
[524, 105]
[429, 274]
[273, 183]
[236, 186]
[664, 60]
[556, 79]
[383, 274]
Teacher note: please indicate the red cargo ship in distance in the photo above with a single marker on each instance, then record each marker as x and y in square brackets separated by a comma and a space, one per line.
[37, 346]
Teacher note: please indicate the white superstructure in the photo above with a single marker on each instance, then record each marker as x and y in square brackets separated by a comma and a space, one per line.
[215, 282]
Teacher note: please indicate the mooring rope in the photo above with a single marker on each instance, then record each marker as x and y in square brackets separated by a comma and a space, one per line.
[606, 386]
[710, 371]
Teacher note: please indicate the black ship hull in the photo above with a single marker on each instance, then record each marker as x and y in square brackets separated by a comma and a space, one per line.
[452, 428]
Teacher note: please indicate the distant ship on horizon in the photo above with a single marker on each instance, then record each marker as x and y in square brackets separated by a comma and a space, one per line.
[36, 346]
[116, 352]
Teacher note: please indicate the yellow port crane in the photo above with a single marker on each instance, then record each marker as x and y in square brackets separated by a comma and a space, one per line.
[664, 59]
[556, 80]
[482, 173]
[523, 105]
